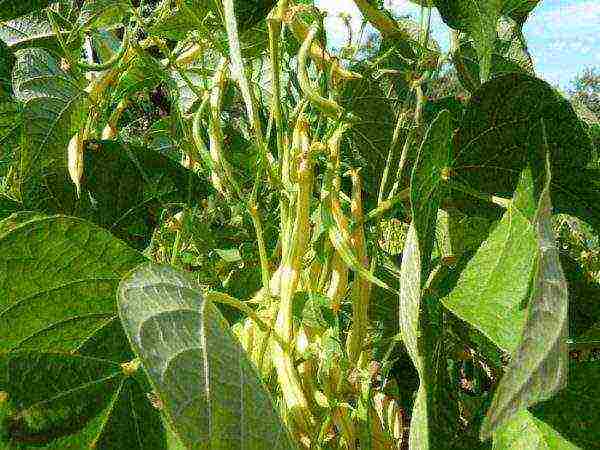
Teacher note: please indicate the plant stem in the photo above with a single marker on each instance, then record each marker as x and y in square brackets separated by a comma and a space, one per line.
[500, 201]
[328, 107]
[283, 150]
[256, 221]
[239, 74]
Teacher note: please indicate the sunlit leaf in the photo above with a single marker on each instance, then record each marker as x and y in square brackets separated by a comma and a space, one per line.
[55, 108]
[33, 30]
[574, 411]
[70, 294]
[491, 289]
[538, 366]
[526, 432]
[102, 13]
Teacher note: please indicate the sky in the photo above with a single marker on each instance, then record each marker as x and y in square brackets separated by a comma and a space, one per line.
[563, 35]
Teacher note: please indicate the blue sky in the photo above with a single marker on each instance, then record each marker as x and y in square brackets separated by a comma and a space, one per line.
[563, 35]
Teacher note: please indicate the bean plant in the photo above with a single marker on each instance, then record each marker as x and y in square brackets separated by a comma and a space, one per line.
[218, 233]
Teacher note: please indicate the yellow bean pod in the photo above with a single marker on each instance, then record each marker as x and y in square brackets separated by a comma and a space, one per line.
[322, 57]
[328, 107]
[297, 405]
[75, 159]
[361, 286]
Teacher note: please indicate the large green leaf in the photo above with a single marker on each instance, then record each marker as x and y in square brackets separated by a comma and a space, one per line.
[143, 74]
[7, 61]
[58, 280]
[575, 411]
[11, 122]
[125, 185]
[55, 108]
[519, 10]
[426, 182]
[33, 30]
[509, 55]
[211, 391]
[567, 421]
[8, 206]
[102, 13]
[526, 432]
[10, 119]
[538, 367]
[175, 23]
[368, 142]
[479, 19]
[11, 9]
[70, 402]
[491, 289]
[501, 132]
[419, 313]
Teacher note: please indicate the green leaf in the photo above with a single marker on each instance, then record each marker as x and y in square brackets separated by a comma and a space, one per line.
[526, 432]
[55, 108]
[230, 255]
[500, 133]
[574, 411]
[538, 367]
[368, 141]
[33, 30]
[495, 282]
[175, 24]
[62, 401]
[11, 9]
[419, 312]
[11, 118]
[479, 19]
[11, 124]
[143, 74]
[509, 55]
[7, 61]
[210, 389]
[97, 14]
[425, 186]
[8, 206]
[564, 422]
[58, 278]
[519, 10]
[124, 187]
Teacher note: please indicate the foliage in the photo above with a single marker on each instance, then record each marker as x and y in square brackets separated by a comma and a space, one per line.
[214, 233]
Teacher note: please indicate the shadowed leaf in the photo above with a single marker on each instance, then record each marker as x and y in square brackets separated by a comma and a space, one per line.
[210, 390]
